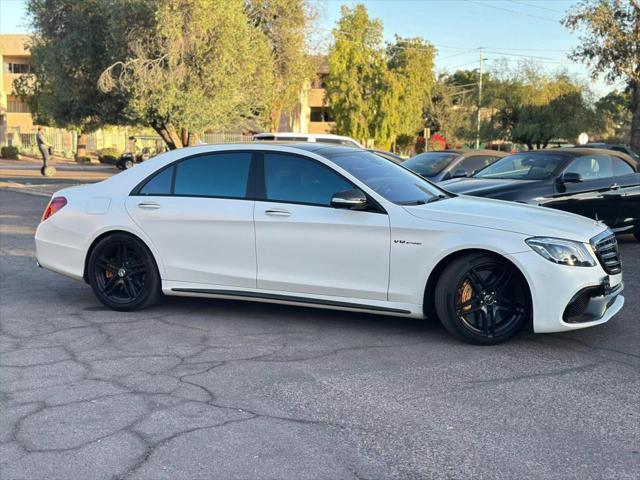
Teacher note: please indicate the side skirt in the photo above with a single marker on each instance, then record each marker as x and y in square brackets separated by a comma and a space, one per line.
[289, 298]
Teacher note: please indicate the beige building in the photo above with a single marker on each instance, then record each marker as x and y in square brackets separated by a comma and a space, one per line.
[311, 114]
[14, 60]
[319, 117]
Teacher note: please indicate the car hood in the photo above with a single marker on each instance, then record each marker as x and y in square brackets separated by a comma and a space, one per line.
[484, 186]
[509, 216]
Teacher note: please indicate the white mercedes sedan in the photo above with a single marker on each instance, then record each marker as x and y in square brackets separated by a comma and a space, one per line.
[330, 227]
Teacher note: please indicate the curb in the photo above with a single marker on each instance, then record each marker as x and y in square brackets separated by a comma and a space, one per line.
[26, 192]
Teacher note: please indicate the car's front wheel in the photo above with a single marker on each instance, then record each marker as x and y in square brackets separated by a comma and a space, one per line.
[123, 273]
[482, 299]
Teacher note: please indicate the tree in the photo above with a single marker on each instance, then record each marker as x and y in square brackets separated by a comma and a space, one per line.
[450, 113]
[363, 94]
[610, 44]
[412, 61]
[613, 114]
[177, 66]
[286, 24]
[197, 64]
[533, 107]
[69, 50]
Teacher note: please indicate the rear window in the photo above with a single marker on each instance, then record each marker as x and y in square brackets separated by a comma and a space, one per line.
[430, 163]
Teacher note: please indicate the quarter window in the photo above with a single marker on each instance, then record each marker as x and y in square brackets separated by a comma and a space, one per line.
[620, 167]
[213, 175]
[294, 179]
[160, 184]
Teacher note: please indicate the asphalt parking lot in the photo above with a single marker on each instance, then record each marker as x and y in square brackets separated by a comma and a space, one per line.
[212, 389]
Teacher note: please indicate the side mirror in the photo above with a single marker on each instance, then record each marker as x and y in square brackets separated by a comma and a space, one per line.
[460, 173]
[570, 177]
[352, 199]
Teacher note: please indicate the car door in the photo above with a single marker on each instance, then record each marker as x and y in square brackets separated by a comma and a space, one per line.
[586, 196]
[306, 246]
[198, 213]
[622, 200]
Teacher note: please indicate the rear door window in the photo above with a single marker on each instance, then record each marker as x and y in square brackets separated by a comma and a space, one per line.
[222, 175]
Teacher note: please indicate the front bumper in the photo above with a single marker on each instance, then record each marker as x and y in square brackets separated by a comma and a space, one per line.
[555, 288]
[592, 303]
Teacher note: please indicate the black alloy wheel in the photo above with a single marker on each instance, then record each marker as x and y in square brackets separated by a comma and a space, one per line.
[482, 299]
[123, 274]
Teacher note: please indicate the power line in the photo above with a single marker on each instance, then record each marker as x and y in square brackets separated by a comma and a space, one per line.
[437, 46]
[538, 6]
[538, 17]
[458, 54]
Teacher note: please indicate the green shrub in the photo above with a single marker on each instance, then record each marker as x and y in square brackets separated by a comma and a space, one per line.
[83, 159]
[108, 155]
[11, 153]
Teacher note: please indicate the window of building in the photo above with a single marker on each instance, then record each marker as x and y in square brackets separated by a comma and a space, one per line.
[19, 68]
[320, 114]
[16, 105]
[320, 81]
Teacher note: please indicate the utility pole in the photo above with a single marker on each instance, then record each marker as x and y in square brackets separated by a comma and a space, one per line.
[479, 103]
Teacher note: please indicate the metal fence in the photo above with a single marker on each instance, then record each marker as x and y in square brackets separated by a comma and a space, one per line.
[63, 142]
[211, 138]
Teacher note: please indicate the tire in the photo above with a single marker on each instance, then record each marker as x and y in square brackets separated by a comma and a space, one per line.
[49, 171]
[479, 287]
[123, 274]
[637, 235]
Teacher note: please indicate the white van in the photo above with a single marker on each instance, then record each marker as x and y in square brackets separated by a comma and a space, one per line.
[307, 137]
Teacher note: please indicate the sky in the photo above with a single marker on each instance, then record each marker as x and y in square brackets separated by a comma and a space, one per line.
[516, 30]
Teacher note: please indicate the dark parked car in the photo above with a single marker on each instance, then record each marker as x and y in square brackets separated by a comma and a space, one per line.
[446, 164]
[600, 184]
[617, 148]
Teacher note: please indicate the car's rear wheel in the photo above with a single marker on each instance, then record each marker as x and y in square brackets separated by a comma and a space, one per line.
[637, 234]
[482, 299]
[123, 273]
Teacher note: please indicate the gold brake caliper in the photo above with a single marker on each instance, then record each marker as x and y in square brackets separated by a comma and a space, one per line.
[465, 293]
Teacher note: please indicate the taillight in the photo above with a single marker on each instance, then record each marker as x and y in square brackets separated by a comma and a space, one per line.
[55, 204]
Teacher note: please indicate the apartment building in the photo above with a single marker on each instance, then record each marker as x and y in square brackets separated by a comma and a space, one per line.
[311, 114]
[14, 61]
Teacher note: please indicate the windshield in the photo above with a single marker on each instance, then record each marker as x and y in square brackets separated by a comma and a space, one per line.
[429, 164]
[388, 179]
[524, 166]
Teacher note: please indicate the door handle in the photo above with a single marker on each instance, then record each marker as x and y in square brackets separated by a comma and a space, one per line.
[277, 212]
[149, 205]
[614, 186]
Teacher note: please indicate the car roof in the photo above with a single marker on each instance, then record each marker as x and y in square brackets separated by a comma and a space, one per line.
[298, 136]
[468, 152]
[574, 152]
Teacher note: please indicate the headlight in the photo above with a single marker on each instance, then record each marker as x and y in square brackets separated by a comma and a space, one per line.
[563, 252]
